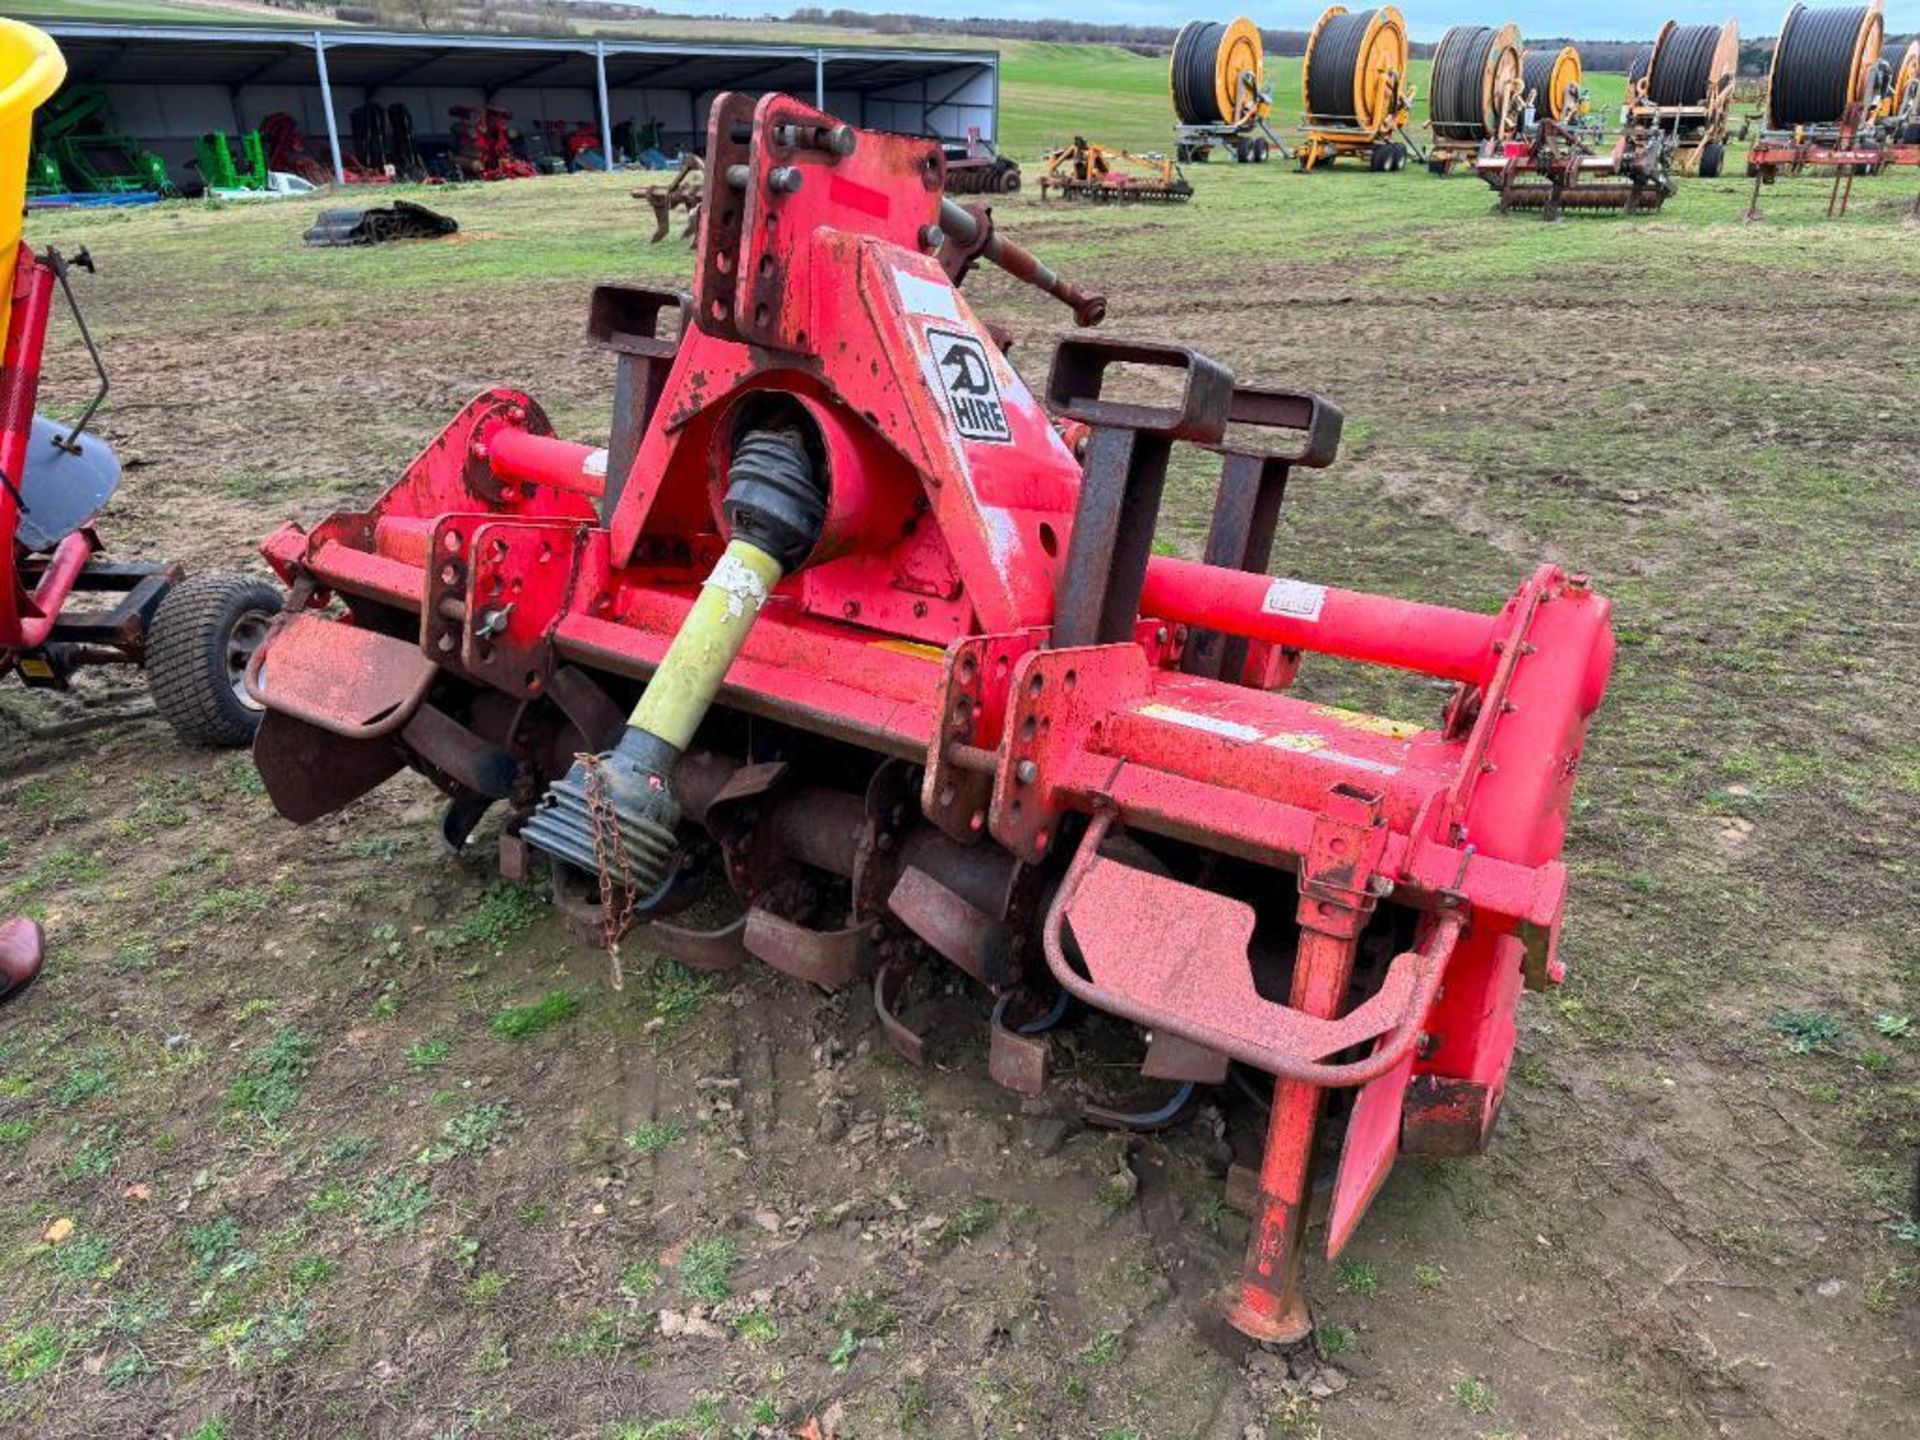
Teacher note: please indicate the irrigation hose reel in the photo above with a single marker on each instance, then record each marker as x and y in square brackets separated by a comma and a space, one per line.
[1825, 65]
[1218, 74]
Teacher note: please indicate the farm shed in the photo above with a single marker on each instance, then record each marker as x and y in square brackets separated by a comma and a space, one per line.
[170, 84]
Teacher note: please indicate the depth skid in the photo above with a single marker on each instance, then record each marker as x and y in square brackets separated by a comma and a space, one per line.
[979, 722]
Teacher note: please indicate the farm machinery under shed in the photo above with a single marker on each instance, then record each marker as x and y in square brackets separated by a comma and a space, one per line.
[845, 622]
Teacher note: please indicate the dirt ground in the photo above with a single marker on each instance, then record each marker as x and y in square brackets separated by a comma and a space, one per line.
[346, 1139]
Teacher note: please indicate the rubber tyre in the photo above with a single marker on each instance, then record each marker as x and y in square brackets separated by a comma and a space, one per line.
[192, 654]
[1378, 157]
[1260, 152]
[1397, 158]
[1713, 158]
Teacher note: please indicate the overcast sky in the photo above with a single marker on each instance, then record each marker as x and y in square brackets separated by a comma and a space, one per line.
[1619, 20]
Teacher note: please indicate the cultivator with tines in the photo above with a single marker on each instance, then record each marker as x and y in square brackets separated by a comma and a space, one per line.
[1555, 168]
[847, 624]
[1087, 171]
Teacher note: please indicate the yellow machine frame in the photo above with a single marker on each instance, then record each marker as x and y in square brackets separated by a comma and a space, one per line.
[1086, 170]
[1383, 101]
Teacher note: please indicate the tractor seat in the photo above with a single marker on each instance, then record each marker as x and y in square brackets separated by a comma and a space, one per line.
[62, 491]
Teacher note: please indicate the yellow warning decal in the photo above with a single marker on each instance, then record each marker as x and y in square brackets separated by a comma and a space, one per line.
[36, 667]
[1372, 724]
[913, 648]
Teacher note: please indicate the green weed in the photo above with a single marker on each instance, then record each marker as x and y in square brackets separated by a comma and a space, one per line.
[84, 1257]
[756, 1327]
[523, 1022]
[1475, 1396]
[1805, 1031]
[30, 1353]
[474, 1131]
[840, 1359]
[1362, 1277]
[706, 1267]
[486, 1287]
[503, 912]
[428, 1054]
[650, 1137]
[84, 1084]
[394, 1204]
[269, 1087]
[212, 1244]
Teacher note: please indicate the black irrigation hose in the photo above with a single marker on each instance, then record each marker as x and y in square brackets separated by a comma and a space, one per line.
[1684, 74]
[1536, 74]
[1813, 66]
[1456, 98]
[1336, 59]
[1195, 60]
[1641, 63]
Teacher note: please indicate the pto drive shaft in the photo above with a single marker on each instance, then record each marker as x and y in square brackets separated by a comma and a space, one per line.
[776, 502]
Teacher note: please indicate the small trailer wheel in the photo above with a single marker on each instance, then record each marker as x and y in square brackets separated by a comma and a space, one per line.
[202, 637]
[1712, 157]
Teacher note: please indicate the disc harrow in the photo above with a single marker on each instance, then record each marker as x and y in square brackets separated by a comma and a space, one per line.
[847, 630]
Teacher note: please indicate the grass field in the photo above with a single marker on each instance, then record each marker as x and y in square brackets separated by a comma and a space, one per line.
[343, 1138]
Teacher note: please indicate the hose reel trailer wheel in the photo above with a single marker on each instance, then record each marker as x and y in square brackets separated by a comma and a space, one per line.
[1218, 73]
[1355, 68]
[1553, 77]
[1476, 69]
[1823, 64]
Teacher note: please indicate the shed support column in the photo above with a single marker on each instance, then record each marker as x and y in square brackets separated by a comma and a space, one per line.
[606, 114]
[819, 79]
[326, 105]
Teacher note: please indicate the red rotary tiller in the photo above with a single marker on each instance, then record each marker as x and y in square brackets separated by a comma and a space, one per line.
[909, 677]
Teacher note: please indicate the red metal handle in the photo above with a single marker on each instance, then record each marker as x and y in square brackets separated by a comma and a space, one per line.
[1377, 629]
[1393, 1013]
